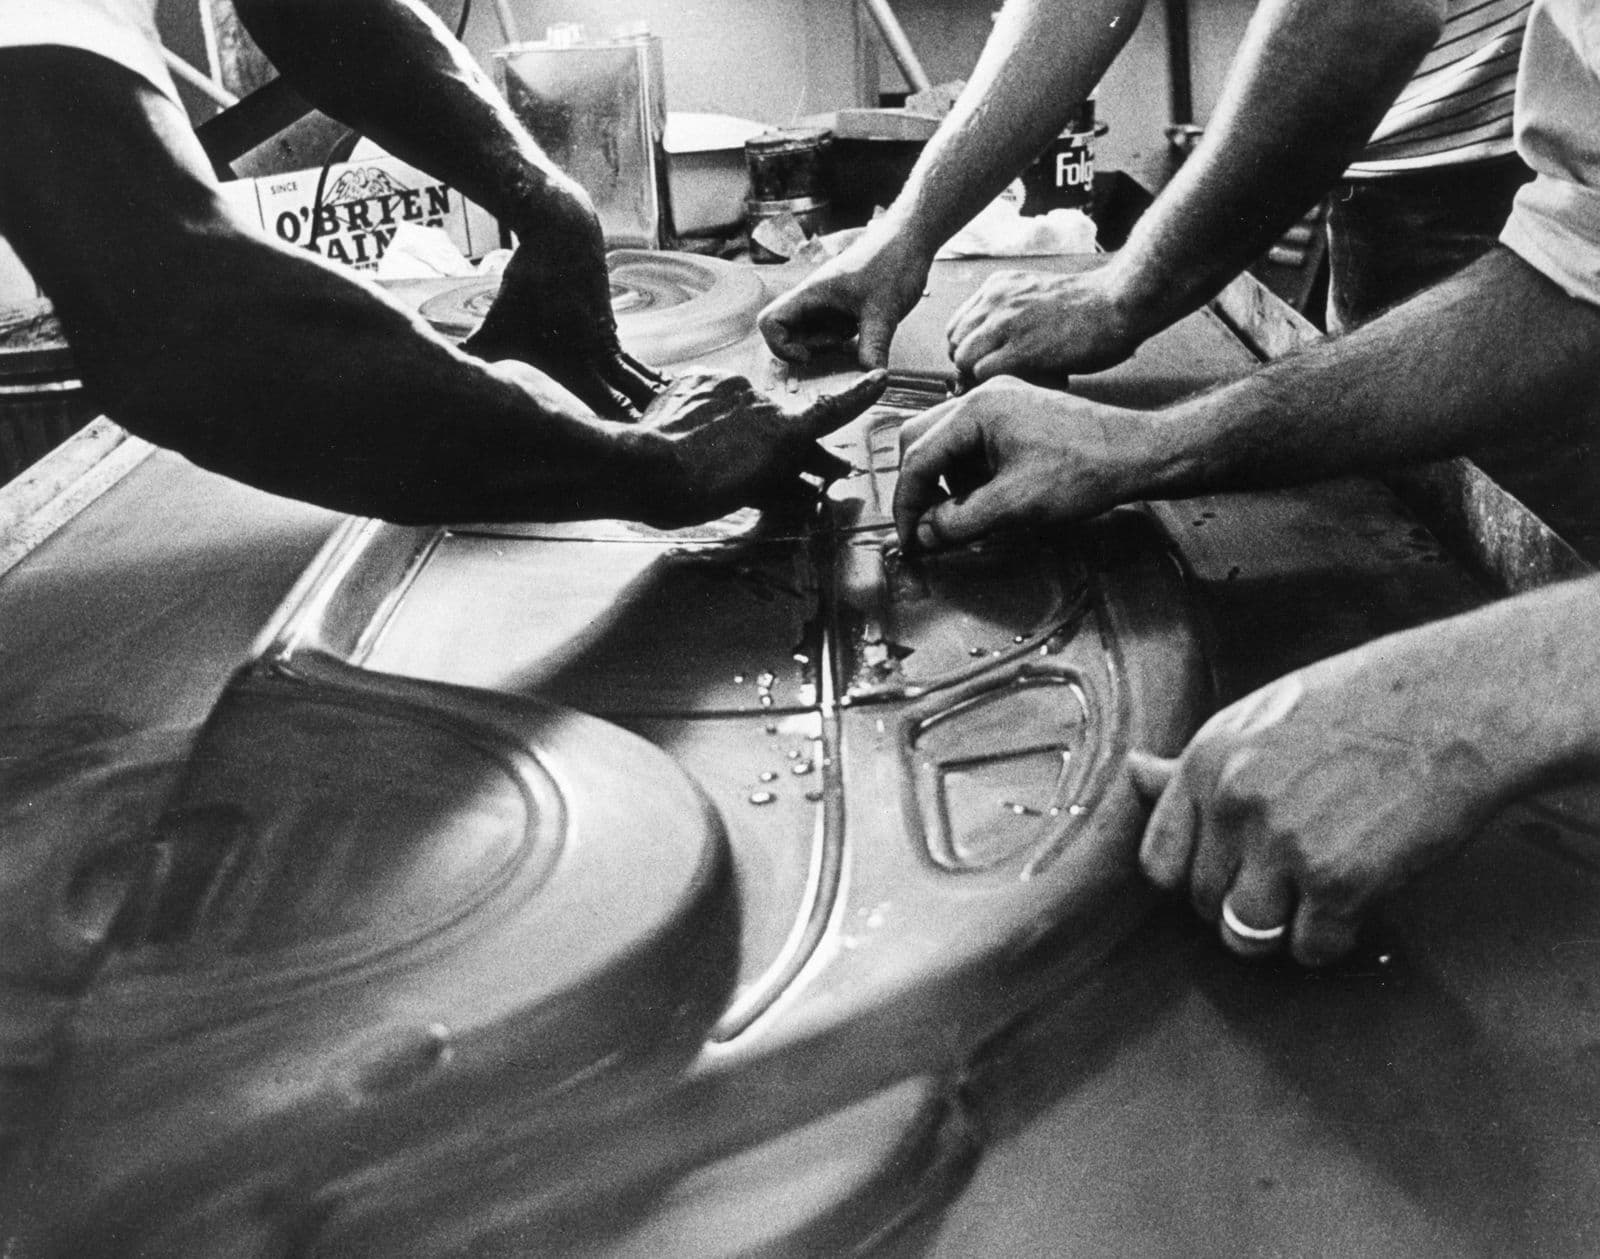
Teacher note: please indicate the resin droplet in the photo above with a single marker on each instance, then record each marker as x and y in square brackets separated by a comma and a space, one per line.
[977, 651]
[765, 679]
[1021, 810]
[814, 797]
[801, 768]
[738, 679]
[762, 797]
[769, 775]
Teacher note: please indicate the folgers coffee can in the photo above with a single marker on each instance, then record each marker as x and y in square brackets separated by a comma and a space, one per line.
[1062, 177]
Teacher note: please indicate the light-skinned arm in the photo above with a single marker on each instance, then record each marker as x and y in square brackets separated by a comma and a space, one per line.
[1495, 351]
[1304, 803]
[1308, 801]
[1311, 81]
[1043, 58]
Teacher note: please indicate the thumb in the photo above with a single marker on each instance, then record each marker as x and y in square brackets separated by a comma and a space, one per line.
[1150, 774]
[777, 325]
[877, 334]
[834, 410]
[957, 521]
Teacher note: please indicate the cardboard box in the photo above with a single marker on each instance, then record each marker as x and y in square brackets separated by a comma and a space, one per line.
[363, 201]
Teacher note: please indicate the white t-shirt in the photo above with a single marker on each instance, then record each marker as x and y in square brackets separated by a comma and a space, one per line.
[123, 31]
[1555, 223]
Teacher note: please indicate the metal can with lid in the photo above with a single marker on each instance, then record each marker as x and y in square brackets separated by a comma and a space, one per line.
[789, 183]
[1062, 177]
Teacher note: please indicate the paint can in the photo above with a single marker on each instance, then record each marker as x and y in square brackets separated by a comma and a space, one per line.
[1062, 177]
[789, 183]
[598, 108]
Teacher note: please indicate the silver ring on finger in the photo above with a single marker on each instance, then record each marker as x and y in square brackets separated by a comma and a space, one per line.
[1259, 935]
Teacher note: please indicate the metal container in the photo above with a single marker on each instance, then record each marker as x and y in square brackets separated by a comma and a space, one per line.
[598, 108]
[42, 401]
[1062, 177]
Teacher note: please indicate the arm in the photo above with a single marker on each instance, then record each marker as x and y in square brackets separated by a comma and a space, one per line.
[1311, 82]
[1433, 377]
[1043, 58]
[1306, 802]
[390, 69]
[264, 363]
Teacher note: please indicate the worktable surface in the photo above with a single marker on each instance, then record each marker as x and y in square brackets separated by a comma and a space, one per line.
[1440, 1095]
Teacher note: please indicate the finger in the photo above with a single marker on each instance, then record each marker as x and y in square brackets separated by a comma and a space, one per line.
[1150, 774]
[1213, 865]
[597, 394]
[966, 478]
[1320, 938]
[825, 464]
[836, 409]
[1169, 835]
[958, 521]
[928, 446]
[633, 380]
[877, 334]
[1254, 921]
[962, 321]
[797, 333]
[980, 342]
[781, 338]
[1007, 359]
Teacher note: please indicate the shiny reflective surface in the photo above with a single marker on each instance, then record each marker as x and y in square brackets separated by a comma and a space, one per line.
[530, 871]
[669, 307]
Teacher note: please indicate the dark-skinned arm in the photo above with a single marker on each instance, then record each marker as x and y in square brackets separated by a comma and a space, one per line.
[391, 70]
[269, 365]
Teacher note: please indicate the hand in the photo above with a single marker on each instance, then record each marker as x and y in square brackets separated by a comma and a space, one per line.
[554, 311]
[727, 445]
[1012, 454]
[1027, 322]
[865, 292]
[1305, 802]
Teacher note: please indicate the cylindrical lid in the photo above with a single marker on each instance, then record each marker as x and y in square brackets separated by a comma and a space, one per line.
[790, 162]
[791, 205]
[32, 343]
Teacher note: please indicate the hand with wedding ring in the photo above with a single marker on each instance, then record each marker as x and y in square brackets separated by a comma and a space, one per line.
[1291, 812]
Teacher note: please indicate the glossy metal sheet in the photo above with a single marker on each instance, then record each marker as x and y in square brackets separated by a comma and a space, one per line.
[593, 889]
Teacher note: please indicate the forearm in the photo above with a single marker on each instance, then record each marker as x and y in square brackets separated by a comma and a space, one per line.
[1509, 692]
[1043, 59]
[1497, 350]
[252, 358]
[282, 373]
[390, 69]
[1310, 83]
